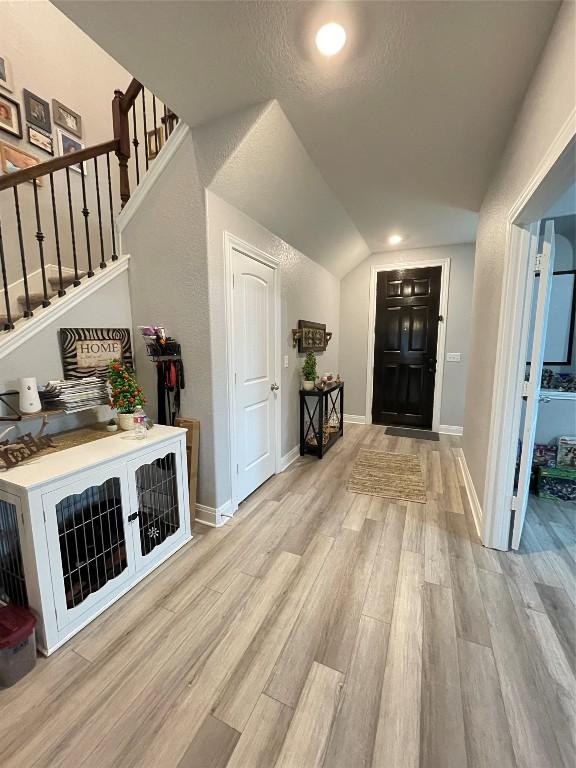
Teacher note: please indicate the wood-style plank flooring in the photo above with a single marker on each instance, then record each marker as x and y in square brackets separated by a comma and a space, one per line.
[324, 629]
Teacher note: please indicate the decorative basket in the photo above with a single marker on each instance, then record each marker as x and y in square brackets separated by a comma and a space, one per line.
[311, 439]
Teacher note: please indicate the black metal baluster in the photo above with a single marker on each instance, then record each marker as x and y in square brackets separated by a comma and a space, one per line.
[102, 256]
[145, 129]
[8, 325]
[155, 123]
[61, 291]
[86, 214]
[72, 232]
[112, 230]
[165, 122]
[28, 311]
[136, 144]
[40, 239]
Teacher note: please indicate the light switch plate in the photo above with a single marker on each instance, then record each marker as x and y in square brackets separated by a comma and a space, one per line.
[285, 361]
[453, 357]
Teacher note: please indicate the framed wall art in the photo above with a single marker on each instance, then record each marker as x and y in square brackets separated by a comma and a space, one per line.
[5, 74]
[67, 118]
[87, 351]
[37, 111]
[14, 159]
[67, 145]
[311, 337]
[10, 119]
[40, 140]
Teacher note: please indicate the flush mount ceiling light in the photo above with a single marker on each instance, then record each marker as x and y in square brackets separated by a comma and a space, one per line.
[330, 38]
[395, 239]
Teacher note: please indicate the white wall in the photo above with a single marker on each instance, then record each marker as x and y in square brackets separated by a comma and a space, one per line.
[107, 307]
[549, 101]
[308, 292]
[355, 289]
[54, 59]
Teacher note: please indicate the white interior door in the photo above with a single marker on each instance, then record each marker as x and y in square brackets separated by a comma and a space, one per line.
[254, 359]
[543, 267]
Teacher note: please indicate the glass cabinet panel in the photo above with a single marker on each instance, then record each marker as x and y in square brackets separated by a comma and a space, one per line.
[92, 539]
[158, 508]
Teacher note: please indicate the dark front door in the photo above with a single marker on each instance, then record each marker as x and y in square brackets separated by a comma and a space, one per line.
[406, 331]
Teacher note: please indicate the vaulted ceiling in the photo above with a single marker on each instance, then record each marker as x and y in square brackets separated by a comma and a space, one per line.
[406, 125]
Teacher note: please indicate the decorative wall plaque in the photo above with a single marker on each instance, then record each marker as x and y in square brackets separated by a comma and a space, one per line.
[311, 337]
[87, 351]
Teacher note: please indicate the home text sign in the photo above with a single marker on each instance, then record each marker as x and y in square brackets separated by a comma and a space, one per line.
[93, 354]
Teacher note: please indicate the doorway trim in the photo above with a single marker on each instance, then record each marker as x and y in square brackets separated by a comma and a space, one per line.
[511, 353]
[441, 341]
[231, 243]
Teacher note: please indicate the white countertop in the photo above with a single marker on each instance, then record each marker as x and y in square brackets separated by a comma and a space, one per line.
[43, 469]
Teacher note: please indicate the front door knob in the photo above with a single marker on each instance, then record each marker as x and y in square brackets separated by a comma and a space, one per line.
[274, 387]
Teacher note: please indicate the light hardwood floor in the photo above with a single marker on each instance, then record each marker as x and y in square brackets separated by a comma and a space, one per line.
[324, 629]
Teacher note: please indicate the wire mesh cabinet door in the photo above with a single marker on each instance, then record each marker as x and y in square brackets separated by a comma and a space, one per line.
[160, 519]
[89, 541]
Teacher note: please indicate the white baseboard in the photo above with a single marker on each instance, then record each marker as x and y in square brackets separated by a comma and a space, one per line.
[471, 493]
[212, 516]
[289, 458]
[350, 419]
[447, 429]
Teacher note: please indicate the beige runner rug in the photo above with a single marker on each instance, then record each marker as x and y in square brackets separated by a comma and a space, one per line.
[391, 475]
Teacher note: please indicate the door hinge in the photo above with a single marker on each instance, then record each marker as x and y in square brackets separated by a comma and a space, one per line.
[514, 503]
[237, 469]
[538, 262]
[525, 386]
[133, 516]
[233, 281]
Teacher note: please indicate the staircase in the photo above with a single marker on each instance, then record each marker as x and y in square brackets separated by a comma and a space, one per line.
[57, 218]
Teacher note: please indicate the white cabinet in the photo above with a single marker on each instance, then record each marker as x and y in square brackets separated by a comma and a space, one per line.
[93, 521]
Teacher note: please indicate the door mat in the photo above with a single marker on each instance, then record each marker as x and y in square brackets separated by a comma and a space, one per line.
[416, 434]
[391, 475]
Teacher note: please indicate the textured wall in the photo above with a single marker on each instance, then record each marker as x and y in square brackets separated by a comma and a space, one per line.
[547, 105]
[355, 290]
[308, 292]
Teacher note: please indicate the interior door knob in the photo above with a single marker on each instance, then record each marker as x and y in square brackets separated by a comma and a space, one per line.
[274, 387]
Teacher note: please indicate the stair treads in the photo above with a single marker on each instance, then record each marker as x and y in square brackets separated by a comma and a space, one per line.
[391, 475]
[416, 434]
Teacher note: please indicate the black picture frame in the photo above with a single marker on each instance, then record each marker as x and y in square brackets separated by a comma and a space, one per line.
[16, 106]
[71, 337]
[37, 111]
[66, 118]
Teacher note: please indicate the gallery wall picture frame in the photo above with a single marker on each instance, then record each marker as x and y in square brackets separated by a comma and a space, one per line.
[10, 117]
[87, 351]
[155, 142]
[37, 111]
[6, 74]
[14, 159]
[67, 145]
[40, 140]
[66, 118]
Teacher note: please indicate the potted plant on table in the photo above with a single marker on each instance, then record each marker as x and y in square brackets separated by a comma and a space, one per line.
[126, 395]
[309, 372]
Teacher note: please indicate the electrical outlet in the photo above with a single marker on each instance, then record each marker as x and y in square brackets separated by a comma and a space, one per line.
[285, 361]
[453, 357]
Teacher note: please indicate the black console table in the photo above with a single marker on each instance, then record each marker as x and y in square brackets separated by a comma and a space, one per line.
[321, 418]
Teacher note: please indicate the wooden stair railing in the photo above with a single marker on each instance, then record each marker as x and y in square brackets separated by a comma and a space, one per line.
[31, 209]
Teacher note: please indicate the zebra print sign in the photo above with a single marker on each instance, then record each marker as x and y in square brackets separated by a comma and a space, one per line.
[87, 351]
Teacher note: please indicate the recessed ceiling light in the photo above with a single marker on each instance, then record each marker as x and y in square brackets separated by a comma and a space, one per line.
[330, 38]
[395, 239]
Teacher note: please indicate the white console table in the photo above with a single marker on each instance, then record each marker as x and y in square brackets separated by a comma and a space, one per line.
[79, 528]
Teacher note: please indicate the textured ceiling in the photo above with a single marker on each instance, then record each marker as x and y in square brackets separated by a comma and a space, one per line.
[406, 125]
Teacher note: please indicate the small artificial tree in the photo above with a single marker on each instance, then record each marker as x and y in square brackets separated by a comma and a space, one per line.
[309, 367]
[126, 395]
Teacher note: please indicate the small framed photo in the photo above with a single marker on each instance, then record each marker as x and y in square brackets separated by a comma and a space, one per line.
[67, 145]
[6, 74]
[66, 118]
[37, 111]
[155, 142]
[40, 140]
[10, 119]
[14, 159]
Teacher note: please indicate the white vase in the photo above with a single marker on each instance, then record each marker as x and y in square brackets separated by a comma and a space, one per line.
[126, 421]
[29, 398]
[308, 386]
